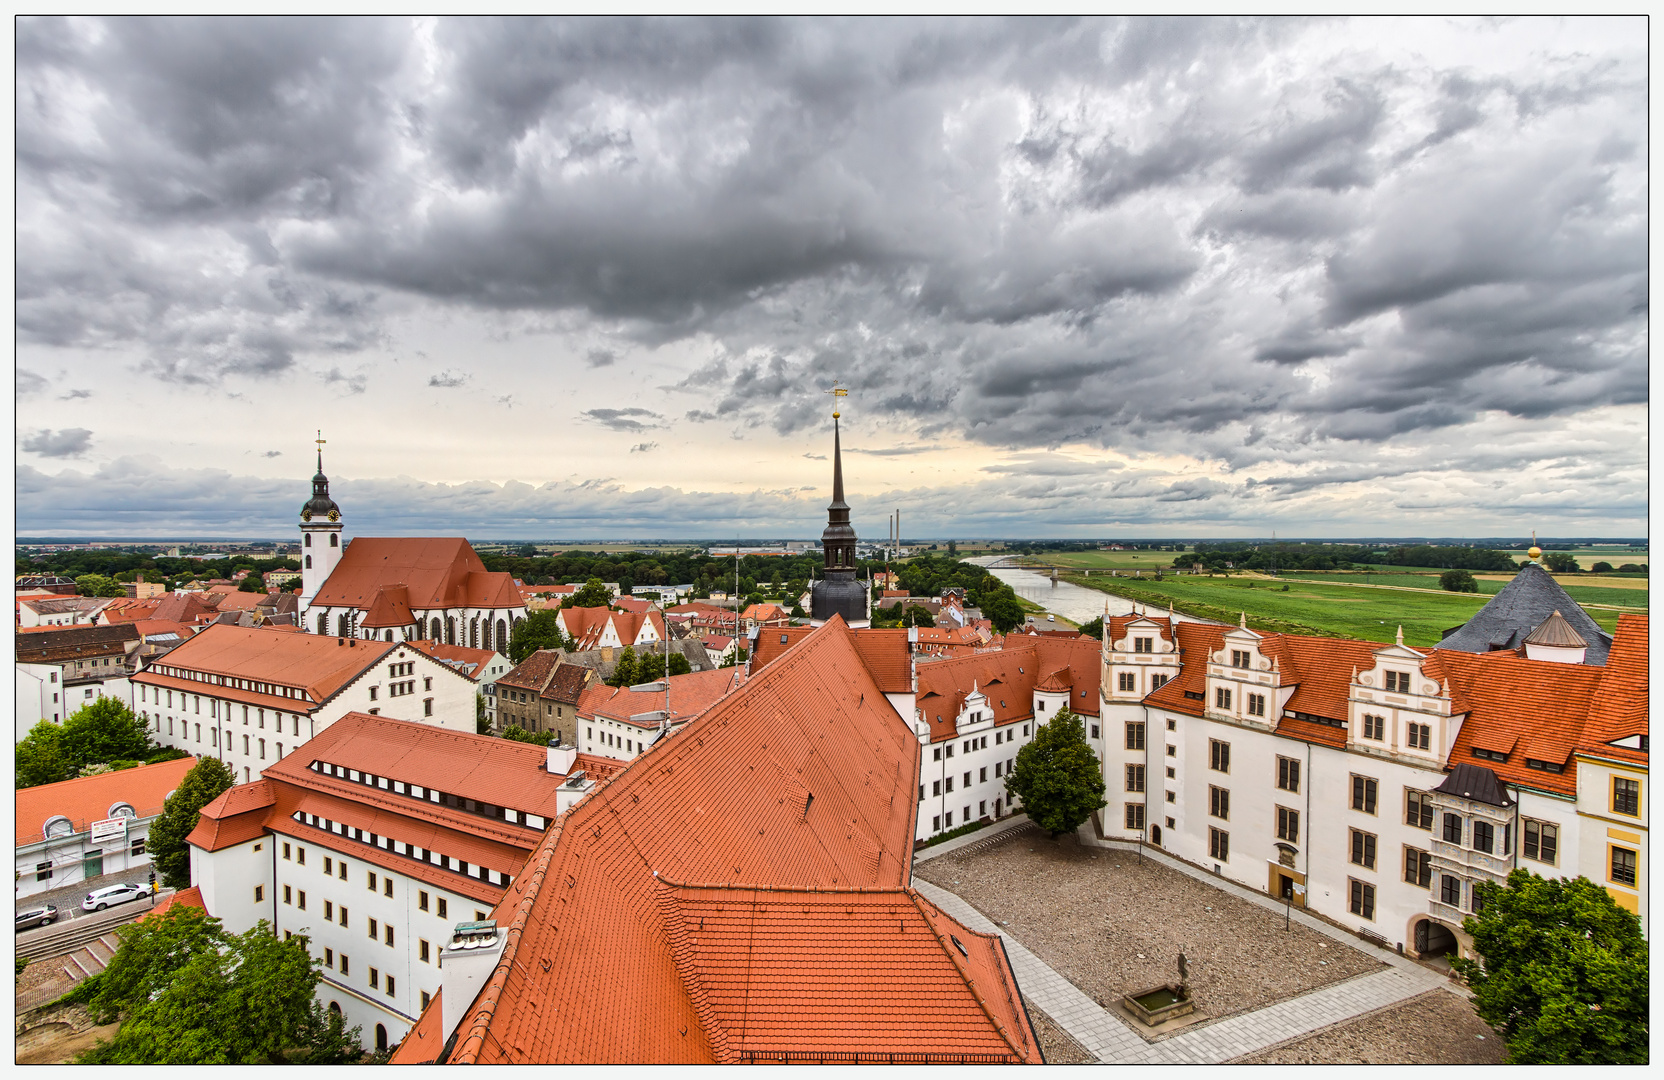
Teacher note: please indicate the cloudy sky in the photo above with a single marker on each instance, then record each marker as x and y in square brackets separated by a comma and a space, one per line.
[592, 278]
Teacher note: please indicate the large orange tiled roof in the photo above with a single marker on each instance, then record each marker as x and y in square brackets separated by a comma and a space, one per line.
[803, 780]
[1619, 709]
[888, 658]
[320, 666]
[236, 816]
[1535, 707]
[772, 642]
[690, 695]
[88, 798]
[437, 572]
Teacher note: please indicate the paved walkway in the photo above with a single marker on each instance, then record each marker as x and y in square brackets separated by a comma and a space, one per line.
[1111, 1039]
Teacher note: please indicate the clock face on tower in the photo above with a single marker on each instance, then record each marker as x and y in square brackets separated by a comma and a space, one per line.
[335, 515]
[306, 515]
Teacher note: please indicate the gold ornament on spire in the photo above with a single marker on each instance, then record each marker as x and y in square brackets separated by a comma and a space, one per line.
[1534, 551]
[837, 392]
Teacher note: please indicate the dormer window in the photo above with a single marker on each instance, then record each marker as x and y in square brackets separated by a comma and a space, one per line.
[1142, 644]
[1398, 682]
[1239, 658]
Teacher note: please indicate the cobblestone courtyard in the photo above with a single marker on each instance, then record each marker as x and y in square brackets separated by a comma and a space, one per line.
[1110, 924]
[1087, 913]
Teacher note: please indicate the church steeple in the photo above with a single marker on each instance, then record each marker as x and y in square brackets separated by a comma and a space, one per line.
[838, 593]
[320, 539]
[320, 505]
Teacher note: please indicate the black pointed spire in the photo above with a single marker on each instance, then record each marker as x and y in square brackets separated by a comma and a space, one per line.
[837, 468]
[839, 593]
[320, 505]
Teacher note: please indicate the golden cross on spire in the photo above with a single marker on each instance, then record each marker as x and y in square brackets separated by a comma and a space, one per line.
[837, 392]
[320, 440]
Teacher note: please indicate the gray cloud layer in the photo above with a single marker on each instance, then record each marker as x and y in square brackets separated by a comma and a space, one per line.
[1126, 234]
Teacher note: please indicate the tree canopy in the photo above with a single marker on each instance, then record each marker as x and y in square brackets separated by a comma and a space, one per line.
[1458, 581]
[1560, 562]
[1561, 971]
[187, 992]
[1093, 629]
[594, 593]
[1057, 776]
[101, 732]
[99, 585]
[169, 853]
[539, 630]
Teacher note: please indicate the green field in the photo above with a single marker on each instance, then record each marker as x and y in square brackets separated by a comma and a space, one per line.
[1617, 556]
[1111, 560]
[1310, 608]
[1618, 592]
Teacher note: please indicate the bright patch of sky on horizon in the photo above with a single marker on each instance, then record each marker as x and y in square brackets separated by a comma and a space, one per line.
[592, 278]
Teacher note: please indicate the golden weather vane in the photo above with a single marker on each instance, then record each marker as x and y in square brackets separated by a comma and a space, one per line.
[320, 440]
[837, 392]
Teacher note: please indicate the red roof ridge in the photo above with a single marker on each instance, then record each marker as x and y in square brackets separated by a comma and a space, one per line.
[529, 885]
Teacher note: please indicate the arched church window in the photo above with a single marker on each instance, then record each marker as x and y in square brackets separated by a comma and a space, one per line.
[309, 562]
[502, 635]
[308, 539]
[342, 627]
[435, 629]
[323, 623]
[450, 631]
[387, 635]
[334, 540]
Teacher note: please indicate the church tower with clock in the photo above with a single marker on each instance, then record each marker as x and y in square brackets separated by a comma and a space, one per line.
[320, 535]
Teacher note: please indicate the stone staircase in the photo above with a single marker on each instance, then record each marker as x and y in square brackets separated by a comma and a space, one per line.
[91, 958]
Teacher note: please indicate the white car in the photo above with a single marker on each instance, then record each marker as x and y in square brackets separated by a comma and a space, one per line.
[113, 894]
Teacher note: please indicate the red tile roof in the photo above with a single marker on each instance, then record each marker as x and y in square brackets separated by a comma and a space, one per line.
[772, 642]
[690, 695]
[191, 897]
[460, 658]
[437, 572]
[237, 816]
[389, 607]
[1619, 709]
[87, 799]
[1536, 707]
[801, 781]
[321, 666]
[888, 658]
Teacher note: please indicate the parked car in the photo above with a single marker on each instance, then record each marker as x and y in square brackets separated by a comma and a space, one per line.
[37, 916]
[112, 894]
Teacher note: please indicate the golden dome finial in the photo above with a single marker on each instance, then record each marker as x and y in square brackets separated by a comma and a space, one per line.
[1534, 551]
[837, 392]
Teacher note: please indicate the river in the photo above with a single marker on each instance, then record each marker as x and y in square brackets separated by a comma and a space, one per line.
[1072, 602]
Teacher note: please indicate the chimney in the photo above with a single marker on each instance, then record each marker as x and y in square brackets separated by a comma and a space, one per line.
[561, 759]
[467, 963]
[568, 794]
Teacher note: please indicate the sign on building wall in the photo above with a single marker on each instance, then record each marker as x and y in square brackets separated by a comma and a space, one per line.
[109, 829]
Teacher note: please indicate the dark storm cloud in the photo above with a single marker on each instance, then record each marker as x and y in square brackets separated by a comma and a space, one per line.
[70, 442]
[1228, 239]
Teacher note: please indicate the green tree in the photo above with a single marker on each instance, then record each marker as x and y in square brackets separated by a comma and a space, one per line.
[1458, 581]
[41, 758]
[917, 615]
[1001, 608]
[953, 547]
[624, 674]
[187, 992]
[98, 585]
[1560, 562]
[1095, 628]
[105, 730]
[482, 726]
[169, 853]
[593, 594]
[519, 734]
[253, 583]
[1601, 568]
[649, 666]
[679, 664]
[539, 630]
[1561, 971]
[1057, 776]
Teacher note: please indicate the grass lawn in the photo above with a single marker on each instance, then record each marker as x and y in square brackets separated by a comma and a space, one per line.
[1311, 608]
[1599, 589]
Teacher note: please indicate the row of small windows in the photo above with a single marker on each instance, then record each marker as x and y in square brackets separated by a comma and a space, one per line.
[441, 798]
[412, 851]
[334, 541]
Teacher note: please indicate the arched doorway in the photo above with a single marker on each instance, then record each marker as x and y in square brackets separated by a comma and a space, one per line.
[1155, 835]
[335, 1007]
[381, 1038]
[1433, 939]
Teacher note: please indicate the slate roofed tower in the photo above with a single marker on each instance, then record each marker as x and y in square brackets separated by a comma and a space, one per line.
[320, 534]
[838, 593]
